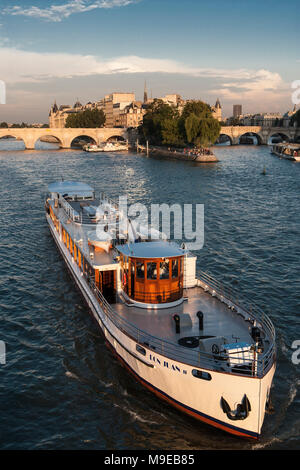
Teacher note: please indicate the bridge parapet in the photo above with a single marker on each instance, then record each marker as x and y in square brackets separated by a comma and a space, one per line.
[263, 133]
[65, 136]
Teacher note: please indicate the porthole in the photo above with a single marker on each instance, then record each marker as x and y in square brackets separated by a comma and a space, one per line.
[141, 350]
[200, 374]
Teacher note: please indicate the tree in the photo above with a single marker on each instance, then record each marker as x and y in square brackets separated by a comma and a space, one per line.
[192, 127]
[162, 124]
[209, 132]
[157, 122]
[199, 108]
[171, 133]
[90, 118]
[198, 124]
[4, 124]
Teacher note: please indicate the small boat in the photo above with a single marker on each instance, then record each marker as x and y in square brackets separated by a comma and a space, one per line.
[106, 147]
[287, 151]
[181, 333]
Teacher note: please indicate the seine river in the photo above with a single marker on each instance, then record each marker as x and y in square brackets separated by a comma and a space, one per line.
[61, 388]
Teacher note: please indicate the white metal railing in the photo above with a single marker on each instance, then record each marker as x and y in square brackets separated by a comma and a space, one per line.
[257, 367]
[246, 309]
[74, 216]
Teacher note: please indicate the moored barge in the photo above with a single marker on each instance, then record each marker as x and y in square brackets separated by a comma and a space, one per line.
[287, 151]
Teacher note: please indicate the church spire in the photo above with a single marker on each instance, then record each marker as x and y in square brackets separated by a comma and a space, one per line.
[145, 93]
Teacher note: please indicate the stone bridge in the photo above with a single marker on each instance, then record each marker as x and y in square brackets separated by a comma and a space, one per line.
[263, 134]
[65, 136]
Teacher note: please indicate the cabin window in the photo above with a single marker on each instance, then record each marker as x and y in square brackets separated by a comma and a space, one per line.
[200, 374]
[141, 350]
[164, 270]
[174, 268]
[140, 270]
[151, 270]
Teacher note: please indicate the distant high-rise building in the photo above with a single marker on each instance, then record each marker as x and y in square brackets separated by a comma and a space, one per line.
[237, 110]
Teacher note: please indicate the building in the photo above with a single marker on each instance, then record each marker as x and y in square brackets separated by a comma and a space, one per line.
[237, 110]
[132, 115]
[121, 109]
[217, 110]
[113, 105]
[59, 115]
[286, 118]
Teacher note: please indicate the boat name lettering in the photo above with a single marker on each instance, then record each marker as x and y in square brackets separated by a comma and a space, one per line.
[166, 364]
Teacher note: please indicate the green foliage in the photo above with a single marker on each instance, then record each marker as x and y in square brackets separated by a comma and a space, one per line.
[157, 122]
[192, 127]
[162, 124]
[198, 108]
[90, 118]
[3, 124]
[171, 133]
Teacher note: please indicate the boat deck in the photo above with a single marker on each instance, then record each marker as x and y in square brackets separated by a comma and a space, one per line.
[80, 233]
[219, 321]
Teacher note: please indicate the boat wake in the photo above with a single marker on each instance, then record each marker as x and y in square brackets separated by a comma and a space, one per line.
[134, 415]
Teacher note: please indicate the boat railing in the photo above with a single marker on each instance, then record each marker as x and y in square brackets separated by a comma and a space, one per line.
[247, 309]
[256, 366]
[104, 197]
[72, 213]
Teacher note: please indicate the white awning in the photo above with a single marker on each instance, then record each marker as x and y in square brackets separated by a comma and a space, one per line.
[71, 188]
[158, 249]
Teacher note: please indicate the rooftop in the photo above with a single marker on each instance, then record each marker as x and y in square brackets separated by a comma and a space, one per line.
[156, 249]
[70, 188]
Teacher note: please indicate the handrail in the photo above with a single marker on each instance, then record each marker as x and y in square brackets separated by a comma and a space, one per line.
[249, 308]
[249, 311]
[257, 366]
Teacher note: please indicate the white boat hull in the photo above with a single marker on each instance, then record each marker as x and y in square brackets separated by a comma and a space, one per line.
[172, 380]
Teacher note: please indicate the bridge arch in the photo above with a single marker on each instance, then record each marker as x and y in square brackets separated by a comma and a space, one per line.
[278, 137]
[78, 139]
[47, 142]
[11, 141]
[224, 139]
[115, 137]
[297, 138]
[250, 138]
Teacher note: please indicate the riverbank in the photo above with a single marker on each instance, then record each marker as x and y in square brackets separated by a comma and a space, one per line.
[177, 154]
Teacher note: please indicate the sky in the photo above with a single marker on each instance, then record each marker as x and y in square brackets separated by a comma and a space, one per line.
[240, 51]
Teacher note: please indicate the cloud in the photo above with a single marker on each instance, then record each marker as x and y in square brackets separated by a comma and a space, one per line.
[254, 88]
[58, 13]
[25, 66]
[262, 86]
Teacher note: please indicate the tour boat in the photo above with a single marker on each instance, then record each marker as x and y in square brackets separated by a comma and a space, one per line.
[106, 147]
[178, 331]
[288, 151]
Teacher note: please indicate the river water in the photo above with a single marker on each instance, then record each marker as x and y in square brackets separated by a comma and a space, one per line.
[60, 387]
